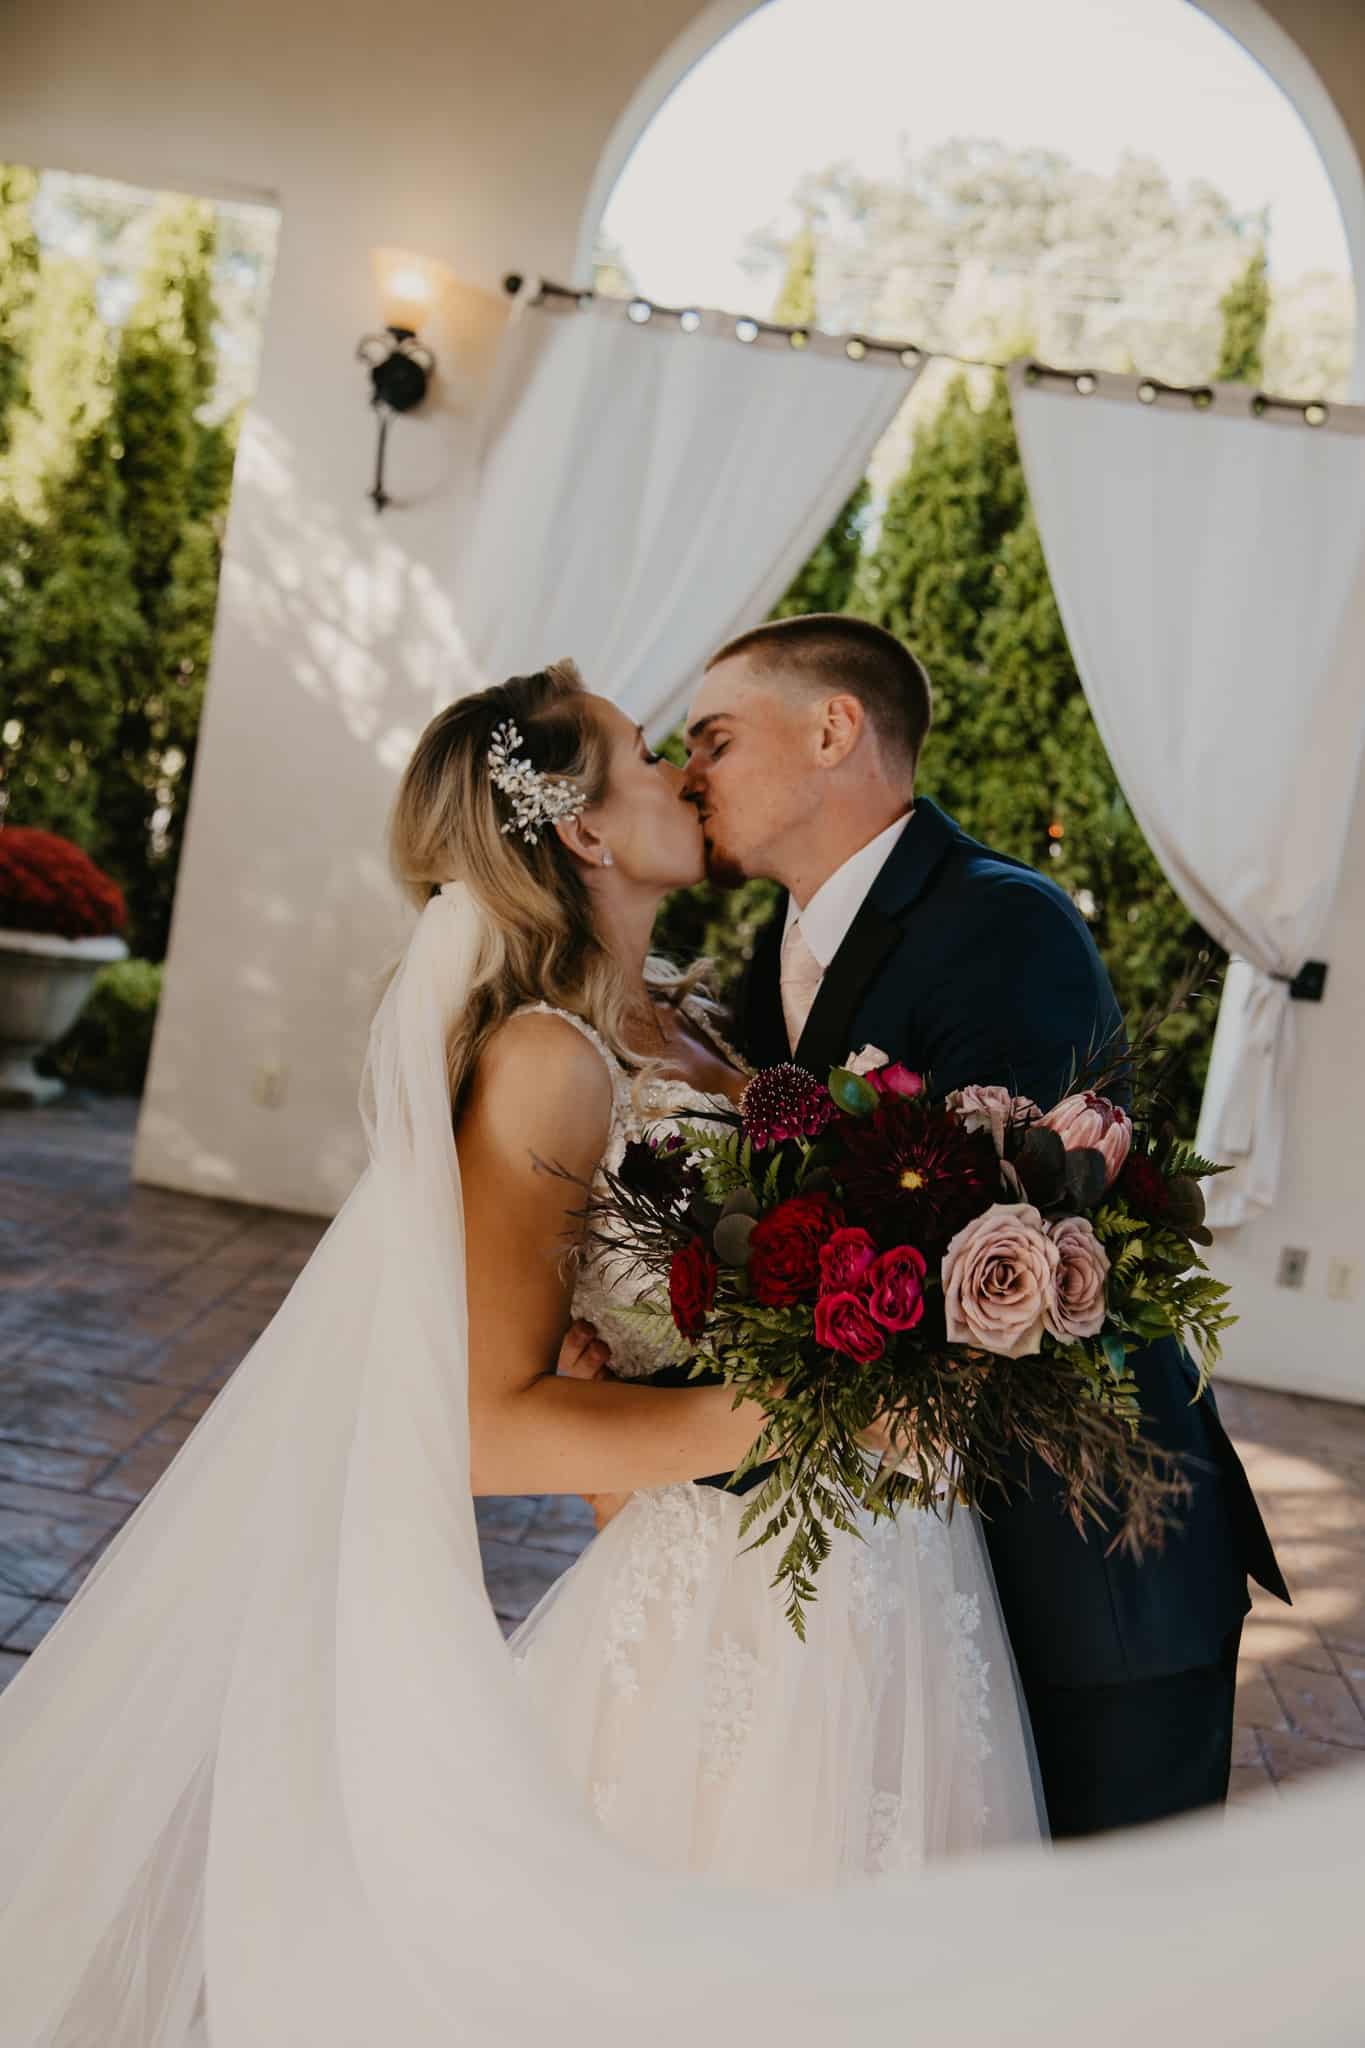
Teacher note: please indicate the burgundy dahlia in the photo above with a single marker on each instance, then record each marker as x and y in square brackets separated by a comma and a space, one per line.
[785, 1102]
[658, 1170]
[915, 1175]
[1145, 1186]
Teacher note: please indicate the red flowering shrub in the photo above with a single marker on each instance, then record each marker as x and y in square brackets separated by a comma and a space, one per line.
[48, 885]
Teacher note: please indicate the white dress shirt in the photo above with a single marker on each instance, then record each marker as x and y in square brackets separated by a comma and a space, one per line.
[826, 918]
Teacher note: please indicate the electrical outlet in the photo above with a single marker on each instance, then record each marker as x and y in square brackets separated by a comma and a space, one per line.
[267, 1089]
[1343, 1280]
[1293, 1267]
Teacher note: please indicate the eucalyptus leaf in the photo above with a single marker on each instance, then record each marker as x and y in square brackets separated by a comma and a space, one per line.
[852, 1093]
[731, 1238]
[743, 1202]
[1085, 1176]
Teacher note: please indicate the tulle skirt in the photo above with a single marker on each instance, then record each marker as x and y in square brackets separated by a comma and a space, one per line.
[705, 1736]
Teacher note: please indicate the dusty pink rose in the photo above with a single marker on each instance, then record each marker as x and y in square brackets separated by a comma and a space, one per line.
[999, 1276]
[993, 1110]
[842, 1323]
[895, 1296]
[846, 1259]
[1077, 1308]
[1093, 1123]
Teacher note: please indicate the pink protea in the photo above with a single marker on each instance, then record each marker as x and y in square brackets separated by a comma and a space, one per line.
[784, 1102]
[1092, 1123]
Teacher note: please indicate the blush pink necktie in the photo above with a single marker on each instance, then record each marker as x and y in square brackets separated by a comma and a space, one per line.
[801, 977]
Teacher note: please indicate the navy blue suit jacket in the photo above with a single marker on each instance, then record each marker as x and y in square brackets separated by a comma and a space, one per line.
[973, 967]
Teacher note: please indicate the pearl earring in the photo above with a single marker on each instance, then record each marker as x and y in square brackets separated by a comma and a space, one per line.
[607, 859]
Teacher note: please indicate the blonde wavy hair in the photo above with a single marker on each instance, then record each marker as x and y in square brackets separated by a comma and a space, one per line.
[542, 944]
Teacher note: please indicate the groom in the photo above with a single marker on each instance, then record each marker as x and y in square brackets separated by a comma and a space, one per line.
[899, 931]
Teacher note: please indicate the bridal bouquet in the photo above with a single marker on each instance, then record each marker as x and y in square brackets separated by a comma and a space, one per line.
[974, 1273]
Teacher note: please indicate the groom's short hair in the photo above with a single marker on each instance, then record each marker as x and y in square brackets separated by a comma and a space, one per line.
[830, 650]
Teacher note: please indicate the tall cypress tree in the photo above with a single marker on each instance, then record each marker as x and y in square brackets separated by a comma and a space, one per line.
[1245, 310]
[68, 374]
[73, 644]
[172, 467]
[18, 282]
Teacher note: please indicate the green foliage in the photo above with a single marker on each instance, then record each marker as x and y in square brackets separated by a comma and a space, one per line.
[72, 644]
[1245, 310]
[109, 1045]
[18, 283]
[795, 302]
[68, 375]
[113, 496]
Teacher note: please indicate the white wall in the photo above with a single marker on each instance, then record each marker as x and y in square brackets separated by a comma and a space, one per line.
[474, 134]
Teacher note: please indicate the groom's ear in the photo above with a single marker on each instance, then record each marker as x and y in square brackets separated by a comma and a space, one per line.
[843, 722]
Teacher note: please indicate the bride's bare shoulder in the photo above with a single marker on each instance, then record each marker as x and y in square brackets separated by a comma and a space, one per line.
[539, 1079]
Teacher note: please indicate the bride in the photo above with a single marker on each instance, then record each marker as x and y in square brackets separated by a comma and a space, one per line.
[274, 1777]
[699, 1729]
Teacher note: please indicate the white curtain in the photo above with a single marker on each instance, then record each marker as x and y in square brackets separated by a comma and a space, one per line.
[1210, 570]
[648, 491]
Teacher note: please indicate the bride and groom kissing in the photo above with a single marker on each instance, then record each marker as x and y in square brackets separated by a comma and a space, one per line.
[274, 1774]
[896, 930]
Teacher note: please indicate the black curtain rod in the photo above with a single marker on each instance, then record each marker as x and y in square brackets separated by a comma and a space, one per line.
[1314, 411]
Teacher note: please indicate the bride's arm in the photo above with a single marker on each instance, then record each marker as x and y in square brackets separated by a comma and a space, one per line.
[542, 1092]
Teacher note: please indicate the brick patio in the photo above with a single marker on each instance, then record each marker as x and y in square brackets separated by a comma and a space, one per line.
[124, 1309]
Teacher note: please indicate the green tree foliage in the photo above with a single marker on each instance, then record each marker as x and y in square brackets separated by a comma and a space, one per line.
[795, 303]
[1245, 308]
[72, 647]
[113, 496]
[67, 384]
[175, 470]
[18, 282]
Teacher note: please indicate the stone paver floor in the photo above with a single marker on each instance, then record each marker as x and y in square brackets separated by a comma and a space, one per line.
[124, 1309]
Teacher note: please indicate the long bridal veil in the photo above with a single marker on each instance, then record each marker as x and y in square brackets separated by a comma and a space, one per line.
[269, 1782]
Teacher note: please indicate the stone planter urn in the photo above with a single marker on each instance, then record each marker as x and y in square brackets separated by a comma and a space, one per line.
[59, 919]
[43, 986]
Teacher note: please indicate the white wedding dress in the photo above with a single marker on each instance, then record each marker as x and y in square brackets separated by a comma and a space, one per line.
[704, 1734]
[273, 1780]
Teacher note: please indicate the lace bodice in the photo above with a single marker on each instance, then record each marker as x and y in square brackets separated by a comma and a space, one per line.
[604, 1289]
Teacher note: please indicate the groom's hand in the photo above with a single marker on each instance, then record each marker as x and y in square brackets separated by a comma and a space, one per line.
[584, 1356]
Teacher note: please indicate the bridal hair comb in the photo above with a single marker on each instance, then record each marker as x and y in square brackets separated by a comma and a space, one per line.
[537, 799]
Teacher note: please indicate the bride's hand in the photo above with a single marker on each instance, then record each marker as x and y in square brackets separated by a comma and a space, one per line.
[584, 1356]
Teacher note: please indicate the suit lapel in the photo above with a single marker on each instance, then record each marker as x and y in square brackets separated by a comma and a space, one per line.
[909, 868]
[824, 1042]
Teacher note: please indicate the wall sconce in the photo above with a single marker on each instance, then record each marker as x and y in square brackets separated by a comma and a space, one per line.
[400, 367]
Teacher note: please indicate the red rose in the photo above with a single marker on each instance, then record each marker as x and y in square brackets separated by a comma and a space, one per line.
[692, 1286]
[846, 1261]
[842, 1323]
[897, 1079]
[784, 1249]
[895, 1296]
